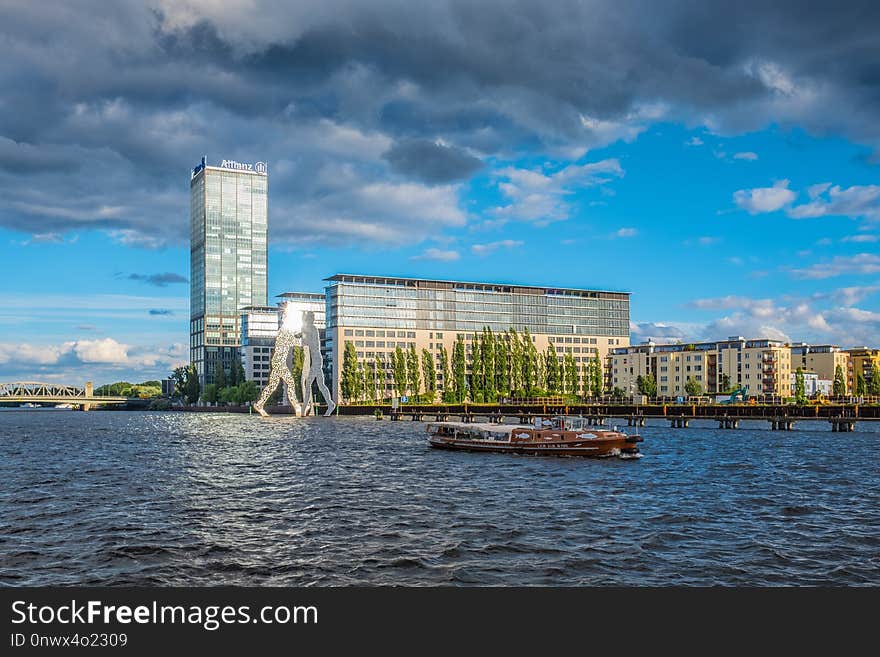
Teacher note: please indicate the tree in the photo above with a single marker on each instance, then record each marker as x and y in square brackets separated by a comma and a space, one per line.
[248, 392]
[363, 384]
[192, 388]
[459, 371]
[693, 387]
[429, 374]
[477, 388]
[211, 393]
[179, 376]
[349, 379]
[398, 371]
[448, 392]
[647, 386]
[296, 370]
[372, 371]
[725, 383]
[529, 363]
[874, 382]
[551, 370]
[220, 376]
[861, 384]
[412, 370]
[487, 349]
[839, 386]
[516, 362]
[501, 364]
[571, 380]
[244, 393]
[597, 378]
[800, 393]
[238, 375]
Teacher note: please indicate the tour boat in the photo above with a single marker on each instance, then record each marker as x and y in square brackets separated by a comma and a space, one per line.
[561, 436]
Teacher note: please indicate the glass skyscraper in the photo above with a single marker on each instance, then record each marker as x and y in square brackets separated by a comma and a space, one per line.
[228, 218]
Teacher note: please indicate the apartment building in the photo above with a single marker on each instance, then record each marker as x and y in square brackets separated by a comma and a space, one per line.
[761, 366]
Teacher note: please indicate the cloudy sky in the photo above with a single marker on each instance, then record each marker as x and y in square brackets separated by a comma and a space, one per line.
[719, 160]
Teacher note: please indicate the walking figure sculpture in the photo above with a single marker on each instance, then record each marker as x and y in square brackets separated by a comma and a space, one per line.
[313, 365]
[286, 339]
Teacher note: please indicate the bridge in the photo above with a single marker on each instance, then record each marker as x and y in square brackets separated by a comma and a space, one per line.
[31, 392]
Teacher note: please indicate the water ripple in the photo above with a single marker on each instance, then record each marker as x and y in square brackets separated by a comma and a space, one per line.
[208, 499]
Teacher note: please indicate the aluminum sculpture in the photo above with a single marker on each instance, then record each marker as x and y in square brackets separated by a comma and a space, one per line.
[296, 328]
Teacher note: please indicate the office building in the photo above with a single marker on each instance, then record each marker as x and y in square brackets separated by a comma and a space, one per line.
[228, 215]
[379, 313]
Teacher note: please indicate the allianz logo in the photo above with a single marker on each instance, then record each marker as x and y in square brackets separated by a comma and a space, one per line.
[259, 167]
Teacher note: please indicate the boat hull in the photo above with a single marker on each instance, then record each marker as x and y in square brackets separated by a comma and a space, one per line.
[595, 450]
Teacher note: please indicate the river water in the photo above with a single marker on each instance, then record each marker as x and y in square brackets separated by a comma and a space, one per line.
[124, 498]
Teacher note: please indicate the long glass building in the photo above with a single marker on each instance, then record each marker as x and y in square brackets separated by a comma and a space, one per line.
[228, 218]
[378, 314]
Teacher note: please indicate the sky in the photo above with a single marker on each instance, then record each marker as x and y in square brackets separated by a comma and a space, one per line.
[717, 160]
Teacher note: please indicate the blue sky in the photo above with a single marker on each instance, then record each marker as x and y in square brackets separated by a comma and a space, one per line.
[743, 200]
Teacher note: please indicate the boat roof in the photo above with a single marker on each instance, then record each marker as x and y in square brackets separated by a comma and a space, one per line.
[482, 426]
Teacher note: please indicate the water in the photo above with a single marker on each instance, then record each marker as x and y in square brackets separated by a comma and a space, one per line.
[124, 498]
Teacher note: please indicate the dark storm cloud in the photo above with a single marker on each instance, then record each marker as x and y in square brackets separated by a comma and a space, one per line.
[106, 106]
[159, 280]
[431, 162]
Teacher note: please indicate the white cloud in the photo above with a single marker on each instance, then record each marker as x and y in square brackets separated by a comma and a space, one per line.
[861, 263]
[822, 317]
[542, 198]
[861, 238]
[694, 141]
[764, 199]
[849, 296]
[856, 201]
[745, 155]
[74, 361]
[486, 249]
[106, 350]
[626, 232]
[358, 211]
[438, 254]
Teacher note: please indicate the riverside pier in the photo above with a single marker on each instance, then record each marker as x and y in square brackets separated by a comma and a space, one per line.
[781, 417]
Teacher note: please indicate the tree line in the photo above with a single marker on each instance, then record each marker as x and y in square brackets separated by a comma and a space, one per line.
[233, 388]
[503, 364]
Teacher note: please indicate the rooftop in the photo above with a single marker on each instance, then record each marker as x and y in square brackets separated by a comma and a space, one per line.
[434, 284]
[310, 296]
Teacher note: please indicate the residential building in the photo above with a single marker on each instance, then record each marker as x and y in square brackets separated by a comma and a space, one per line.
[862, 360]
[228, 218]
[823, 359]
[813, 384]
[762, 366]
[379, 313]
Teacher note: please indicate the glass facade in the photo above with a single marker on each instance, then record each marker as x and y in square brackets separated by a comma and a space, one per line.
[228, 217]
[379, 314]
[454, 306]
